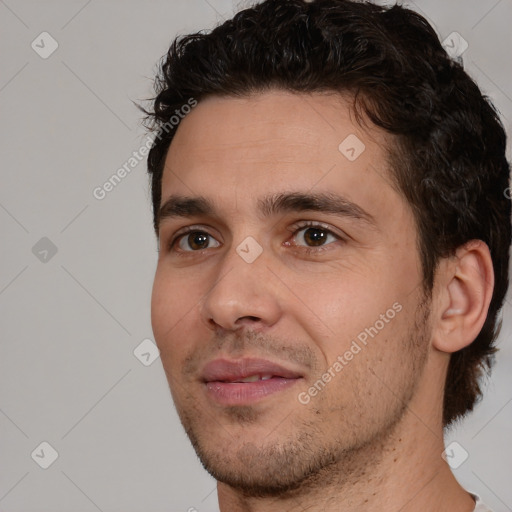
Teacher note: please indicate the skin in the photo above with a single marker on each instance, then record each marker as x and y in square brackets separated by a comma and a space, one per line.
[372, 438]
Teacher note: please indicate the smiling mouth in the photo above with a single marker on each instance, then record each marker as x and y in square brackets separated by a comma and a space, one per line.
[246, 381]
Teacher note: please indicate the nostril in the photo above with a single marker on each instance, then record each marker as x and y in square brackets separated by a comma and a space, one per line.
[251, 318]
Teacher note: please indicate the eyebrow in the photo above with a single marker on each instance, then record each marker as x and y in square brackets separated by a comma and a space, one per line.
[177, 206]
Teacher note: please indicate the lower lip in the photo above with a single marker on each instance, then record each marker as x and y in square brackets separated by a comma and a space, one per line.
[245, 393]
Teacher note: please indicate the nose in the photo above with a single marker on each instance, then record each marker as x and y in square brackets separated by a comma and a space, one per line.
[242, 295]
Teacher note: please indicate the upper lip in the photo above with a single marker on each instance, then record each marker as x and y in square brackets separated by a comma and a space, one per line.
[228, 370]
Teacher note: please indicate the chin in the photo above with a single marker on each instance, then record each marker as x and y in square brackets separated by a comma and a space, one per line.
[277, 468]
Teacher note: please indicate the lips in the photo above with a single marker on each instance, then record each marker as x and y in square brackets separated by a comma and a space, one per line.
[225, 370]
[245, 381]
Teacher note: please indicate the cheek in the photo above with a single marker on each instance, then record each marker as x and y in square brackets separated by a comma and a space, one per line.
[169, 308]
[345, 302]
[160, 303]
[364, 324]
[373, 378]
[169, 329]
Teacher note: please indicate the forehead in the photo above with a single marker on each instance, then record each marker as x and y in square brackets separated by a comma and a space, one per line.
[274, 142]
[311, 125]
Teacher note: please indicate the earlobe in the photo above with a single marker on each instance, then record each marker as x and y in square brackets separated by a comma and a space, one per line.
[465, 297]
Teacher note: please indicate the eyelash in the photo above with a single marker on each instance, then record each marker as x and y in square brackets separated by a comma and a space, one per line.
[296, 228]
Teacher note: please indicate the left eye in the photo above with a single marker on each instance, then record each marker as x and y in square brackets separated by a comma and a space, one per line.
[315, 236]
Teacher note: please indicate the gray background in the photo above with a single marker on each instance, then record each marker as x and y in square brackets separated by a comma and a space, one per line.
[70, 324]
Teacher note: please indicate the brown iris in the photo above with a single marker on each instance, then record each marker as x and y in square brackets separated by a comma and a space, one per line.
[315, 235]
[198, 240]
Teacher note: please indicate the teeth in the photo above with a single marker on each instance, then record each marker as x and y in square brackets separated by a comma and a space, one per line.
[254, 378]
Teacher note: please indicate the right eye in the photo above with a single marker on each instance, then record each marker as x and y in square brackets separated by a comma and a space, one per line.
[195, 239]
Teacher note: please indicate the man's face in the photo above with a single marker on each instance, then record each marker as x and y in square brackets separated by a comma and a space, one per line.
[276, 292]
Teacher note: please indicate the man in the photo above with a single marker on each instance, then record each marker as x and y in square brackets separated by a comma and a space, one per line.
[329, 199]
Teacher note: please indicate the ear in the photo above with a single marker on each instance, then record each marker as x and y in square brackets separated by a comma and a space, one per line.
[466, 284]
